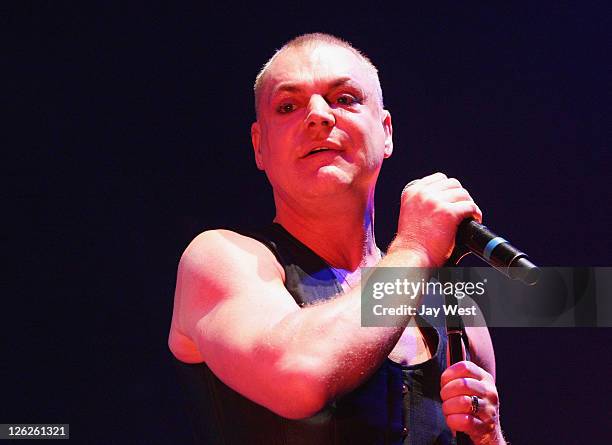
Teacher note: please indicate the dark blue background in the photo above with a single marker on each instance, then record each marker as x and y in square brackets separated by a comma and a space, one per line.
[131, 135]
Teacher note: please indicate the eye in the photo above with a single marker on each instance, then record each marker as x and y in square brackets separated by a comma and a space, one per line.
[286, 107]
[347, 99]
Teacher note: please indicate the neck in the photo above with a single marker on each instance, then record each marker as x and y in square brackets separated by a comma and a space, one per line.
[342, 234]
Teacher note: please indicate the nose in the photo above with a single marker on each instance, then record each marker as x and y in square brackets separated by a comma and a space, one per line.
[319, 114]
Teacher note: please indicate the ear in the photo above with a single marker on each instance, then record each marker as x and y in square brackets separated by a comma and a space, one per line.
[256, 141]
[388, 128]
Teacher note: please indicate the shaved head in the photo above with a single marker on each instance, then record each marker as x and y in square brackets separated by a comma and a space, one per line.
[311, 41]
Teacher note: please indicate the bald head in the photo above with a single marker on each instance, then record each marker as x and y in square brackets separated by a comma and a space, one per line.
[310, 42]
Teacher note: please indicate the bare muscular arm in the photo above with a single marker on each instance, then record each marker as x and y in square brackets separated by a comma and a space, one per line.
[233, 312]
[245, 325]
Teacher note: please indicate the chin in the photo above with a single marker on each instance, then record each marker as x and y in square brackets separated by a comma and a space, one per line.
[328, 181]
[332, 175]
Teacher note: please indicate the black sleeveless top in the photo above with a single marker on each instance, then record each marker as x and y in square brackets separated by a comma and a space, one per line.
[398, 405]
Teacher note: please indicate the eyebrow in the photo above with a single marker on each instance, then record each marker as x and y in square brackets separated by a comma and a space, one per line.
[294, 87]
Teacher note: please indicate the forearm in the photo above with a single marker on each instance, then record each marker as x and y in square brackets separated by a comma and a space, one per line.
[328, 340]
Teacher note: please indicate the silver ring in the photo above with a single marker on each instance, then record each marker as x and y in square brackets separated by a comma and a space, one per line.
[475, 405]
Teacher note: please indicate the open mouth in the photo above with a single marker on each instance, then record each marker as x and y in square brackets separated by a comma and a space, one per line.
[318, 150]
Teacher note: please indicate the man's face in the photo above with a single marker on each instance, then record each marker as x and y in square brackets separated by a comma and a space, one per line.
[320, 127]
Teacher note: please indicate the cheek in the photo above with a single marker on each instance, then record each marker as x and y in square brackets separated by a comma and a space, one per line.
[276, 154]
[375, 148]
[365, 126]
[371, 137]
[280, 138]
[272, 144]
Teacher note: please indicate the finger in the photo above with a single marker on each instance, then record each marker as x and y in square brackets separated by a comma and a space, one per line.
[454, 195]
[470, 387]
[418, 184]
[427, 180]
[467, 209]
[464, 387]
[464, 405]
[410, 184]
[464, 369]
[457, 405]
[436, 177]
[468, 424]
[445, 184]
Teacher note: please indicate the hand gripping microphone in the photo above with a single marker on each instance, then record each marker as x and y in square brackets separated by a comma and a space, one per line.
[494, 250]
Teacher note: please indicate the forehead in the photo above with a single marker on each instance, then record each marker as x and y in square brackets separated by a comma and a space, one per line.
[318, 64]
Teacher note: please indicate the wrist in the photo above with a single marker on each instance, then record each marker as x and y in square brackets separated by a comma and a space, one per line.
[411, 254]
[496, 437]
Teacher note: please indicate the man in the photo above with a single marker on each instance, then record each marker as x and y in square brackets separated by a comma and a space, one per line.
[266, 326]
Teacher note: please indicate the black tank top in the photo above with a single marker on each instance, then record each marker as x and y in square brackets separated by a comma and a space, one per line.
[398, 405]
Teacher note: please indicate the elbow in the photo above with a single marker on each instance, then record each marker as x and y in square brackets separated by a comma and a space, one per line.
[304, 393]
[300, 402]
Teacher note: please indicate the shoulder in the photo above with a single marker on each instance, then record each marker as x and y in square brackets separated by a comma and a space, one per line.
[216, 267]
[214, 254]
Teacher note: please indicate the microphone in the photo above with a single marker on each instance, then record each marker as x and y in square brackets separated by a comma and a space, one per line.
[496, 251]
